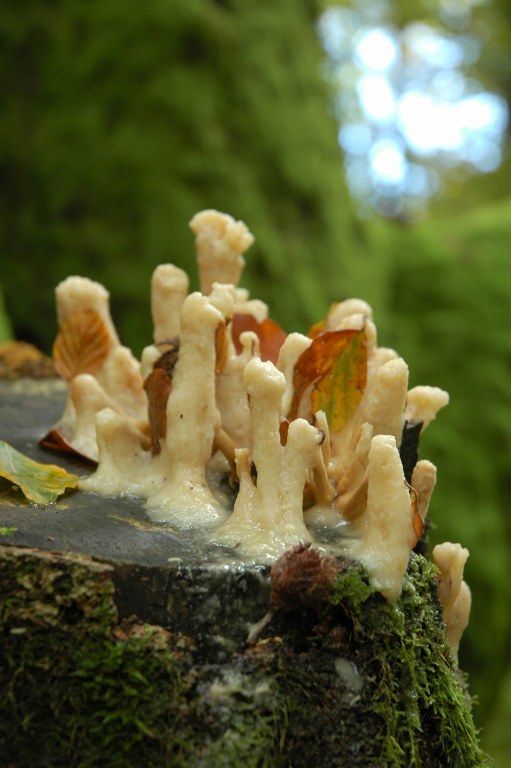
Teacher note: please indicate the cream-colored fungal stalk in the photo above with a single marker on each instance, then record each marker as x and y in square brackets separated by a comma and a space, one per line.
[124, 468]
[383, 403]
[220, 242]
[120, 375]
[423, 483]
[258, 309]
[351, 501]
[293, 346]
[222, 297]
[387, 535]
[264, 385]
[268, 512]
[337, 316]
[169, 288]
[75, 294]
[230, 394]
[121, 379]
[118, 383]
[78, 423]
[231, 398]
[321, 423]
[453, 593]
[423, 404]
[302, 453]
[192, 419]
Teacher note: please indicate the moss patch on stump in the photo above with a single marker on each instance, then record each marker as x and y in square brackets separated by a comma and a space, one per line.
[353, 681]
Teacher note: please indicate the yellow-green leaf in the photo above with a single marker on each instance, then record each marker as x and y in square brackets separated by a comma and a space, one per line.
[334, 368]
[41, 483]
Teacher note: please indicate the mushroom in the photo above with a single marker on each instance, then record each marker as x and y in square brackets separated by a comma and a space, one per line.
[192, 419]
[231, 398]
[75, 294]
[423, 483]
[290, 351]
[352, 487]
[338, 313]
[387, 527]
[220, 242]
[118, 381]
[268, 513]
[423, 404]
[124, 467]
[169, 288]
[453, 593]
[77, 426]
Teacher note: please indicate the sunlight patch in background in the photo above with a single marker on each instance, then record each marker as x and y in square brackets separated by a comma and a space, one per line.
[409, 110]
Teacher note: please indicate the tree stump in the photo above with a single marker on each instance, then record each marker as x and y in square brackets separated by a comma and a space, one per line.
[124, 643]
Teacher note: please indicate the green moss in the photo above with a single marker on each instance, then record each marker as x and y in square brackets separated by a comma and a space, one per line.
[419, 695]
[124, 119]
[76, 685]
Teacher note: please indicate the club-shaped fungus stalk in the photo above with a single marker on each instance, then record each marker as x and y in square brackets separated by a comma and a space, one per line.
[119, 375]
[351, 500]
[268, 512]
[423, 404]
[220, 242]
[453, 593]
[76, 294]
[387, 536]
[423, 483]
[86, 399]
[192, 417]
[124, 466]
[101, 372]
[290, 351]
[231, 397]
[169, 288]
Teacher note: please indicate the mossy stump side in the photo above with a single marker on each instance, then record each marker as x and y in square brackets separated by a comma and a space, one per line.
[352, 682]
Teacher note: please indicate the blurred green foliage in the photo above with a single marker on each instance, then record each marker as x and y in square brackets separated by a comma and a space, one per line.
[448, 313]
[5, 325]
[122, 119]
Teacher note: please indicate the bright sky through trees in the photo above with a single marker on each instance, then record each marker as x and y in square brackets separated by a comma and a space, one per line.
[408, 109]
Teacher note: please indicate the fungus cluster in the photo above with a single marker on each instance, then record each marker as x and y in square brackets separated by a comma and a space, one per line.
[308, 428]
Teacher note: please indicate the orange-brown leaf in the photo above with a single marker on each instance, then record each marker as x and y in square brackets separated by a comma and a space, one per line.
[316, 329]
[322, 326]
[82, 344]
[335, 366]
[271, 336]
[417, 521]
[54, 440]
[157, 386]
[221, 346]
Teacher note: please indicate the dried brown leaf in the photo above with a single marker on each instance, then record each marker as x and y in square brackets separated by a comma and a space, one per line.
[271, 335]
[82, 344]
[157, 386]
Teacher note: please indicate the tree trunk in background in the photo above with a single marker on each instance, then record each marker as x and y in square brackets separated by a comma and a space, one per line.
[125, 119]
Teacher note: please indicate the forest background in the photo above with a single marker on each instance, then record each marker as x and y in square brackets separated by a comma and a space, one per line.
[120, 120]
